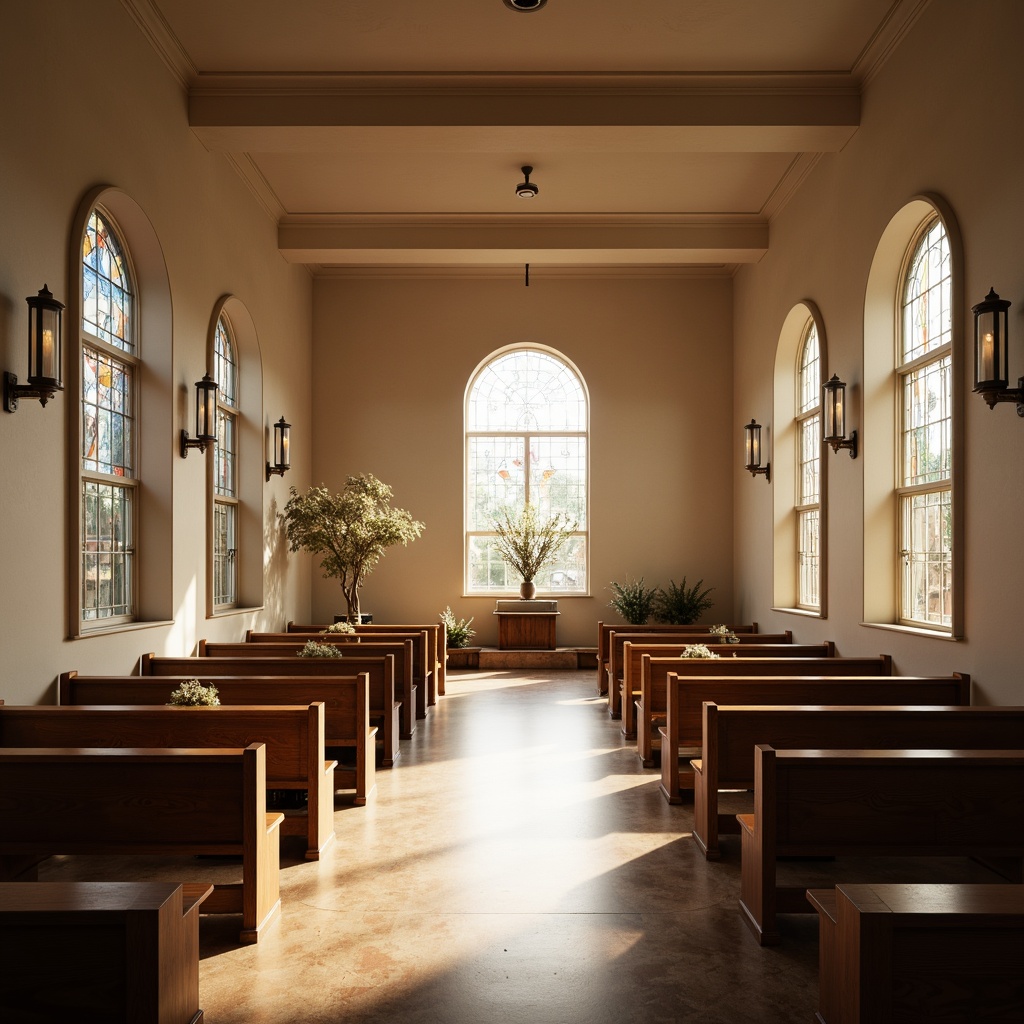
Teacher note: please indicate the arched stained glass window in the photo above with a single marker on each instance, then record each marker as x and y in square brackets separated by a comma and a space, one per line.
[526, 444]
[225, 472]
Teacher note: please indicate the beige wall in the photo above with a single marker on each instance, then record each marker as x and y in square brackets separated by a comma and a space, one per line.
[87, 102]
[940, 118]
[393, 358]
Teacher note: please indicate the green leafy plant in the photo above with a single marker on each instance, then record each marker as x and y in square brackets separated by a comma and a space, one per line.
[339, 627]
[698, 651]
[351, 530]
[317, 650]
[457, 631]
[633, 600]
[526, 542]
[680, 605]
[191, 693]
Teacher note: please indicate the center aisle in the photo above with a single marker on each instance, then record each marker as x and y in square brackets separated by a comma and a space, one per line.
[518, 865]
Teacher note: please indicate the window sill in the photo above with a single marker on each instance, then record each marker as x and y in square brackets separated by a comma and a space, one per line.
[223, 613]
[120, 627]
[895, 627]
[513, 595]
[805, 613]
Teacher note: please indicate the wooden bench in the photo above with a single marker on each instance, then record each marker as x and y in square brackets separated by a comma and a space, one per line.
[631, 664]
[117, 951]
[167, 802]
[437, 640]
[345, 725]
[916, 953]
[385, 708]
[872, 803]
[654, 676]
[293, 734]
[605, 629]
[730, 733]
[402, 651]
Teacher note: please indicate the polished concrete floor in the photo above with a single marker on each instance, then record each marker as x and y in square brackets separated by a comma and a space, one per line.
[517, 865]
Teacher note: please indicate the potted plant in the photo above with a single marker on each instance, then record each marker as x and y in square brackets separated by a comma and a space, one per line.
[680, 605]
[527, 543]
[191, 693]
[352, 530]
[458, 633]
[634, 601]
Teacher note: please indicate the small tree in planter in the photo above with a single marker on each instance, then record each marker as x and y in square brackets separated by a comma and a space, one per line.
[351, 530]
[527, 543]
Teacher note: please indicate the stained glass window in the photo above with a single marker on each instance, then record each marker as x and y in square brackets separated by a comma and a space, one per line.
[526, 443]
[109, 415]
[926, 432]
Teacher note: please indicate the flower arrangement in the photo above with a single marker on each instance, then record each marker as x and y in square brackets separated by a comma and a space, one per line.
[727, 635]
[339, 627]
[192, 694]
[697, 651]
[457, 631]
[526, 542]
[317, 650]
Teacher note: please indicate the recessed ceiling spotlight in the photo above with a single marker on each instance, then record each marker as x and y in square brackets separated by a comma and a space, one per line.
[524, 5]
[526, 189]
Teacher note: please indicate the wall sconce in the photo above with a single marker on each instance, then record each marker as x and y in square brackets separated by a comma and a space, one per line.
[282, 449]
[44, 348]
[752, 448]
[206, 417]
[991, 351]
[834, 426]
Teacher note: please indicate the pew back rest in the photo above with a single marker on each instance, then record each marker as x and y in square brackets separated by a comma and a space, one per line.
[293, 734]
[604, 629]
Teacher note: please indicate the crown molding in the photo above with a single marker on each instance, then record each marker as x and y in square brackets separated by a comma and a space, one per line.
[155, 28]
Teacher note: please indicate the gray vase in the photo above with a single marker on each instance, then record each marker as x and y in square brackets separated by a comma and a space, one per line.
[527, 589]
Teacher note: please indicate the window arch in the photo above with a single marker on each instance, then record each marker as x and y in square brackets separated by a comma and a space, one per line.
[526, 443]
[119, 463]
[913, 370]
[799, 485]
[235, 476]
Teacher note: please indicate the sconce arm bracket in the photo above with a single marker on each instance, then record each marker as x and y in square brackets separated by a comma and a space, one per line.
[13, 391]
[993, 396]
[191, 442]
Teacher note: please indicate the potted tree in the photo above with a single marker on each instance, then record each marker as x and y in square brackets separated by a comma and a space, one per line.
[527, 543]
[352, 530]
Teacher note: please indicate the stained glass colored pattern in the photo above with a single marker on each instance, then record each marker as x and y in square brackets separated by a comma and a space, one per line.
[526, 443]
[107, 415]
[107, 303]
[107, 551]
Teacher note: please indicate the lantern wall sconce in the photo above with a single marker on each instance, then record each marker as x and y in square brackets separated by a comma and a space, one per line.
[206, 417]
[752, 450]
[991, 351]
[834, 425]
[282, 449]
[44, 353]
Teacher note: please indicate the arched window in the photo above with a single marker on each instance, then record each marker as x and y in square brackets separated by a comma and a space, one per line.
[527, 419]
[225, 469]
[925, 452]
[808, 474]
[110, 414]
[799, 486]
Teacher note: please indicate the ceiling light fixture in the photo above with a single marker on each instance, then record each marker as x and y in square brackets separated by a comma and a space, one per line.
[524, 5]
[526, 189]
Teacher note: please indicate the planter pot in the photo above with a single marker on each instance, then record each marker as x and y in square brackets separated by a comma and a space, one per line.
[527, 589]
[463, 657]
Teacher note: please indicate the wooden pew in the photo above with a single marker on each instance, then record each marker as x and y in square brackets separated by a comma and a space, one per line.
[730, 733]
[437, 642]
[385, 708]
[654, 673]
[293, 734]
[951, 953]
[616, 652]
[632, 652]
[605, 629]
[345, 724]
[402, 651]
[872, 803]
[167, 802]
[125, 951]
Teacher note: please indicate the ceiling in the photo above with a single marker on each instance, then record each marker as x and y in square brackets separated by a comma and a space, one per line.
[388, 135]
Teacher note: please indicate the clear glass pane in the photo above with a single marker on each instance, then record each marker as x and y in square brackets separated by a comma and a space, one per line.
[224, 554]
[927, 578]
[566, 574]
[106, 286]
[107, 551]
[225, 366]
[495, 477]
[809, 478]
[809, 390]
[928, 423]
[224, 458]
[809, 556]
[927, 296]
